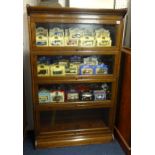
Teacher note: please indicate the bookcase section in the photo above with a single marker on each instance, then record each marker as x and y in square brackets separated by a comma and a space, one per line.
[75, 59]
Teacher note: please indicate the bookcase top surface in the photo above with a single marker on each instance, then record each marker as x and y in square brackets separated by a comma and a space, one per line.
[67, 10]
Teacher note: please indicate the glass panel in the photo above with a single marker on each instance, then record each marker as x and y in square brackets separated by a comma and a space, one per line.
[83, 35]
[73, 119]
[59, 93]
[74, 65]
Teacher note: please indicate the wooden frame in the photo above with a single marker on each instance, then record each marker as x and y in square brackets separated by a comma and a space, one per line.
[77, 21]
[79, 136]
[122, 130]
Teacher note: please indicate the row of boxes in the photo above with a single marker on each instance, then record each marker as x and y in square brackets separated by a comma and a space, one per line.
[46, 96]
[56, 70]
[89, 66]
[60, 70]
[73, 37]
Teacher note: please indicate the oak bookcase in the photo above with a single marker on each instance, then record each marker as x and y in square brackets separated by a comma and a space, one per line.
[81, 122]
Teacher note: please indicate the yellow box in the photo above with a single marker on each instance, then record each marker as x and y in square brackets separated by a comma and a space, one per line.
[63, 62]
[77, 64]
[103, 37]
[90, 61]
[72, 69]
[103, 42]
[41, 36]
[75, 33]
[71, 41]
[56, 37]
[87, 40]
[57, 70]
[44, 96]
[43, 70]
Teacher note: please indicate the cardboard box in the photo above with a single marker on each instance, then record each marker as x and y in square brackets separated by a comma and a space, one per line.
[101, 69]
[72, 36]
[99, 95]
[86, 96]
[72, 95]
[87, 40]
[102, 37]
[90, 61]
[41, 36]
[86, 70]
[43, 70]
[44, 96]
[57, 70]
[72, 69]
[56, 37]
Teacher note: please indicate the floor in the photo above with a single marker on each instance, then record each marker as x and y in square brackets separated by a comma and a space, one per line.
[112, 148]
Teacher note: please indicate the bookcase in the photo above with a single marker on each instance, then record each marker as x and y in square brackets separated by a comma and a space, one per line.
[75, 60]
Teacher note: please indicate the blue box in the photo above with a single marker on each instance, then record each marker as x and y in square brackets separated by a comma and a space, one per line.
[101, 69]
[44, 96]
[86, 70]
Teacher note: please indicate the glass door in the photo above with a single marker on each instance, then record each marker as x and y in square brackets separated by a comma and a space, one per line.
[75, 65]
[82, 33]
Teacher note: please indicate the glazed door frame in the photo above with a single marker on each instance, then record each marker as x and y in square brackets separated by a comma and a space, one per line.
[118, 22]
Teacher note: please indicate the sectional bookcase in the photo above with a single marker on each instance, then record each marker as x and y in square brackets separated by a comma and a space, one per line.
[80, 108]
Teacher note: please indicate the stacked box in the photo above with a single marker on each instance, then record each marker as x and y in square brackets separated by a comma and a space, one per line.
[44, 96]
[43, 70]
[86, 96]
[72, 36]
[102, 37]
[56, 37]
[99, 95]
[90, 61]
[57, 70]
[87, 39]
[41, 36]
[57, 96]
[72, 69]
[63, 62]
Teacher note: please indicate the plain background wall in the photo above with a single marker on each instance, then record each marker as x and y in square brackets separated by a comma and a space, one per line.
[127, 38]
[26, 61]
[92, 3]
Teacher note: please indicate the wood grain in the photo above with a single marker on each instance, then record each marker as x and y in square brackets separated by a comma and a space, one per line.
[123, 117]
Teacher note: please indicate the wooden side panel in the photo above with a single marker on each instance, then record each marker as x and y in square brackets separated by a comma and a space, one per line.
[123, 116]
